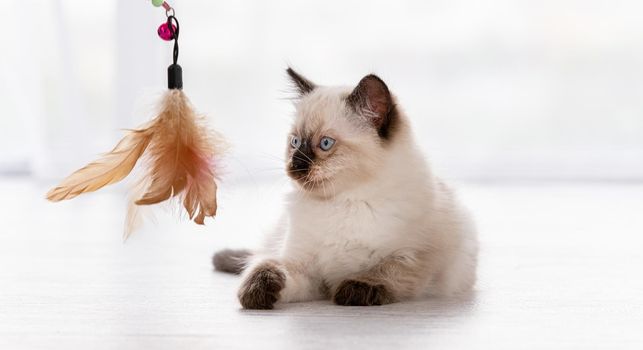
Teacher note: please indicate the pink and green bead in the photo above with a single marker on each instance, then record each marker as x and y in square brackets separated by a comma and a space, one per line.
[159, 3]
[164, 31]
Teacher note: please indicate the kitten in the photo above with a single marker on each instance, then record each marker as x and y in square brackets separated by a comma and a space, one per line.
[368, 224]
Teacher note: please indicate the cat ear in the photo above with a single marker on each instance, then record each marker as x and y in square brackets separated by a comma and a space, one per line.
[372, 99]
[302, 84]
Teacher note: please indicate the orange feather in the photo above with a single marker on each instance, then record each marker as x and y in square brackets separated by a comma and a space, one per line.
[181, 157]
[111, 168]
[178, 154]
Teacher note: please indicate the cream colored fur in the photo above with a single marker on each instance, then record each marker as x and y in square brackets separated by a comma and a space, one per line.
[372, 210]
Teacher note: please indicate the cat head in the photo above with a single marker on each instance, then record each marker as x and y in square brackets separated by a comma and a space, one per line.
[340, 135]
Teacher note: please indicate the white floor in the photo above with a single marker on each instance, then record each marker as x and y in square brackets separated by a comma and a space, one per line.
[561, 267]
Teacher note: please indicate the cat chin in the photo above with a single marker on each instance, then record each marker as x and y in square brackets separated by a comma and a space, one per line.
[319, 187]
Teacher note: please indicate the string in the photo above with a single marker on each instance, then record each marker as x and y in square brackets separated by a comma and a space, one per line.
[175, 35]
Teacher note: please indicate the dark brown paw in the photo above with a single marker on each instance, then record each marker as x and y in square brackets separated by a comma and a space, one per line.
[261, 289]
[358, 293]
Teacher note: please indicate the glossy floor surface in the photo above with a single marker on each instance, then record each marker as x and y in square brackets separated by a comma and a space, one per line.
[561, 267]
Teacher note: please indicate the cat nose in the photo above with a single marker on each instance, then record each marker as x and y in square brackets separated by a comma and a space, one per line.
[298, 163]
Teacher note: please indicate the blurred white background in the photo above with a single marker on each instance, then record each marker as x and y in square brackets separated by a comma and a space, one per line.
[497, 89]
[534, 105]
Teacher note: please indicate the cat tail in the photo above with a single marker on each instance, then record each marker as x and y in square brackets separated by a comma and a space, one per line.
[231, 260]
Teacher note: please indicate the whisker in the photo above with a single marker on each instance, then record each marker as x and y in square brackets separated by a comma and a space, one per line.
[324, 189]
[265, 154]
[304, 154]
[302, 159]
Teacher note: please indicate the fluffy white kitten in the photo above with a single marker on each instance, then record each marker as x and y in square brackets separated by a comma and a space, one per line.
[368, 223]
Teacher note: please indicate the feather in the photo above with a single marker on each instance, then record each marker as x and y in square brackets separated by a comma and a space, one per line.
[181, 157]
[111, 168]
[178, 155]
[135, 213]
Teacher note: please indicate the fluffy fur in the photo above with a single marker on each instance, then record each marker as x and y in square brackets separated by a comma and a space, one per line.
[367, 223]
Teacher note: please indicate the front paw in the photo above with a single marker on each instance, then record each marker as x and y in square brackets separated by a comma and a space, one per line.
[358, 293]
[261, 288]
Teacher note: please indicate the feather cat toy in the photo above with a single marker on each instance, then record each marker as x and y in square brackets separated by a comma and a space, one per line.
[176, 150]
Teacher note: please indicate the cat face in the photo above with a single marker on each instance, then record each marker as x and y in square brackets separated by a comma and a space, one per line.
[339, 135]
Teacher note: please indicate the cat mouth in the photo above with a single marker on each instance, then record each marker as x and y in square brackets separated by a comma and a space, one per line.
[309, 180]
[309, 183]
[299, 176]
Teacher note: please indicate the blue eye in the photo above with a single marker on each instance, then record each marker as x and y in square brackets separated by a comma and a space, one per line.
[326, 143]
[295, 142]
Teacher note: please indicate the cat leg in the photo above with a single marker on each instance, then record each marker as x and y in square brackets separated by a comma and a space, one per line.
[270, 281]
[394, 278]
[302, 284]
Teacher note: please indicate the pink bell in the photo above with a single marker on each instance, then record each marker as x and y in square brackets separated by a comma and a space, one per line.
[165, 33]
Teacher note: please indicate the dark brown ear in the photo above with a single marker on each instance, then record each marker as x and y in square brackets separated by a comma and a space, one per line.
[302, 84]
[372, 99]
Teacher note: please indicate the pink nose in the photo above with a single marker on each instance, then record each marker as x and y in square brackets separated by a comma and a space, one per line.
[165, 33]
